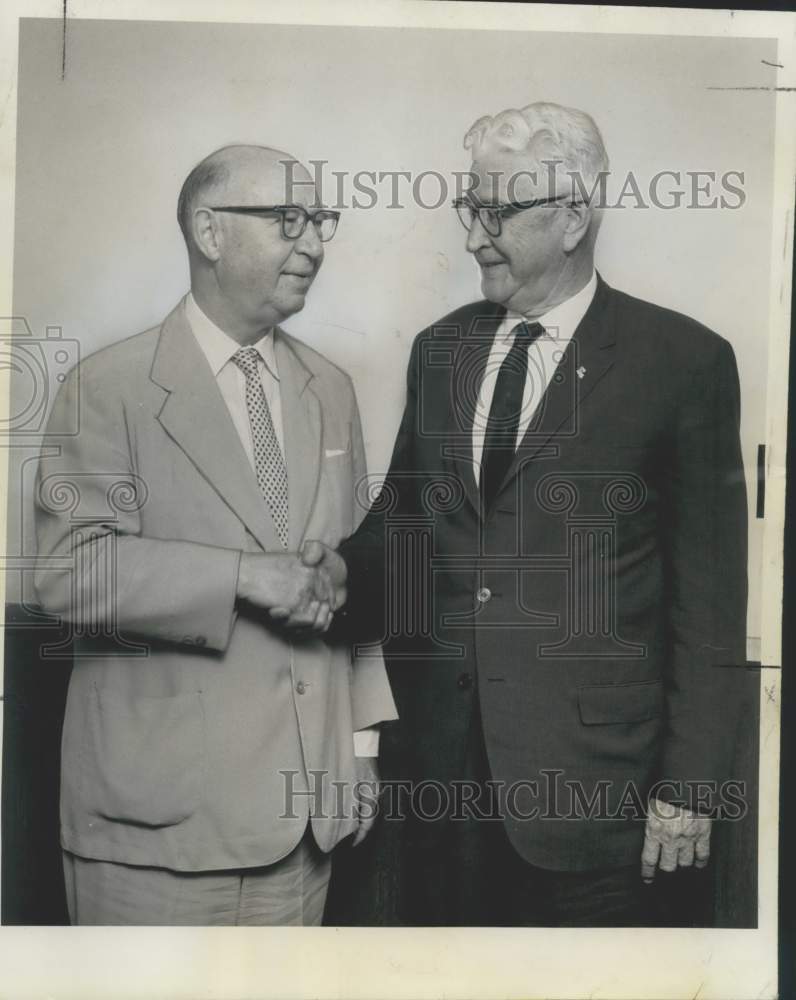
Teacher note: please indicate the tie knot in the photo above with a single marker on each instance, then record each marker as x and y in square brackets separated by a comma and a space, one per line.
[527, 332]
[246, 359]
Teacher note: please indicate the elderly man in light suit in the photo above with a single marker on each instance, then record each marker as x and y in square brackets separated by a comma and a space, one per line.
[206, 780]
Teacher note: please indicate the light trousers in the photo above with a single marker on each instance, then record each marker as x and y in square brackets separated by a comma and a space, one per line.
[291, 891]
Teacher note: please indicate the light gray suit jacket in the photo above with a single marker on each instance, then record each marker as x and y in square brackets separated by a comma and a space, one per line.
[188, 723]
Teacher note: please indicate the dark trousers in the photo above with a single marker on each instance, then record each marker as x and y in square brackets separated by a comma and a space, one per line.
[465, 872]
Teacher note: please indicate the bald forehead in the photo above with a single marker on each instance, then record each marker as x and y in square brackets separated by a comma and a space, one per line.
[258, 175]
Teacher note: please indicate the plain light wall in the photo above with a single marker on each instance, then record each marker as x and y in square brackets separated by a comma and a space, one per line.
[103, 152]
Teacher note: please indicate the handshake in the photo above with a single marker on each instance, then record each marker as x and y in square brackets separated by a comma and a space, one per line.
[299, 590]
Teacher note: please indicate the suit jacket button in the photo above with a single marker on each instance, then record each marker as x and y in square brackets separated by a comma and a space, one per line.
[483, 595]
[300, 687]
[200, 640]
[465, 681]
[188, 640]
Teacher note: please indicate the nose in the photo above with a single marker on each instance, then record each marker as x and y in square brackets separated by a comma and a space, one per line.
[309, 243]
[477, 237]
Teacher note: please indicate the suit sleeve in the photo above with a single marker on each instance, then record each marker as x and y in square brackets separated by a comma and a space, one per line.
[369, 586]
[706, 562]
[95, 569]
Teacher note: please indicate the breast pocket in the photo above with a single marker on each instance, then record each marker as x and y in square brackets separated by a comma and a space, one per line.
[336, 499]
[143, 758]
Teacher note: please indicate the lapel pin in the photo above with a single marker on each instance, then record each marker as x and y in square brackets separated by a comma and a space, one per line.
[581, 372]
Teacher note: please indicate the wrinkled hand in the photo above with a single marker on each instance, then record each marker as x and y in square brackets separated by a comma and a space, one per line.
[294, 594]
[366, 794]
[673, 836]
[331, 568]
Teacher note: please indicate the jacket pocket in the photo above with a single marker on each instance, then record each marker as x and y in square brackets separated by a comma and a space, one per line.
[335, 501]
[606, 704]
[143, 758]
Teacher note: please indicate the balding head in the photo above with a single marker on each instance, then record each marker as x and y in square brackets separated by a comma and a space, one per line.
[246, 274]
[228, 176]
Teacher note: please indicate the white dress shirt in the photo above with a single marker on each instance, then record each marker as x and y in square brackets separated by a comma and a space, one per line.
[544, 356]
[219, 348]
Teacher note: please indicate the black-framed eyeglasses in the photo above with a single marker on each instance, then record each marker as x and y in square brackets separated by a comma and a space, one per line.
[293, 218]
[491, 216]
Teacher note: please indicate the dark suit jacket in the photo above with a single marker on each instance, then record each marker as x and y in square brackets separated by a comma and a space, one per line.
[598, 610]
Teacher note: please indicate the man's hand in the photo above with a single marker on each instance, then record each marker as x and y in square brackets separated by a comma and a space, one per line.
[292, 593]
[366, 794]
[673, 836]
[331, 568]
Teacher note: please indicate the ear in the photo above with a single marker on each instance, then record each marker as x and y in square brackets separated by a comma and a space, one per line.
[579, 217]
[207, 233]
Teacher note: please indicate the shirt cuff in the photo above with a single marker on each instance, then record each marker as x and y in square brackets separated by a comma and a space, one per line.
[366, 742]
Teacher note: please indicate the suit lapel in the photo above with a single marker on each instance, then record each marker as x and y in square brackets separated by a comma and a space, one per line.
[302, 425]
[588, 358]
[196, 417]
[466, 377]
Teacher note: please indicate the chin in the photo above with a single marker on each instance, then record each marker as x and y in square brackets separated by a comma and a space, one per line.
[295, 303]
[495, 291]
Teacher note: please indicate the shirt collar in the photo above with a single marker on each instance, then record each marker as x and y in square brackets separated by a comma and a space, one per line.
[562, 319]
[219, 347]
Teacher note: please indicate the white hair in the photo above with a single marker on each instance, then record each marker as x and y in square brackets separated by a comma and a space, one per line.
[546, 132]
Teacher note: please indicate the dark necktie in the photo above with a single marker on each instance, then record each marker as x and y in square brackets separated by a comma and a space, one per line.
[504, 415]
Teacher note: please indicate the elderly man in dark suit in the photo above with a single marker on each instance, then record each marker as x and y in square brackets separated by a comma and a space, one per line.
[557, 562]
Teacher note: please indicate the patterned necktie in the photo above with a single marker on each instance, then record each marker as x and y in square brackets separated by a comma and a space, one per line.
[500, 442]
[268, 461]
